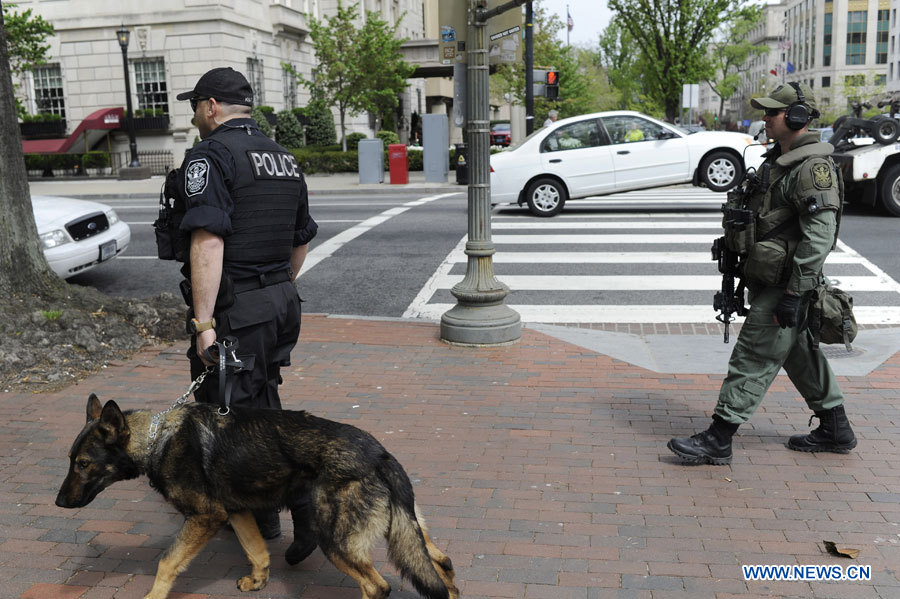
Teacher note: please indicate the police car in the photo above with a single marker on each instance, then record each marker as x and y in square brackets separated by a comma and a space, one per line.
[77, 235]
[608, 152]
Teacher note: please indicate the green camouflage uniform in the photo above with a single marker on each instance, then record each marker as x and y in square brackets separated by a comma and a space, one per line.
[803, 177]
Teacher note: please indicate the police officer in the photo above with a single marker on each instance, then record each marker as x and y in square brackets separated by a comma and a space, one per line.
[246, 220]
[796, 222]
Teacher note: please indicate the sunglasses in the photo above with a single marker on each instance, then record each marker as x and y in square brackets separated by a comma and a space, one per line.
[194, 102]
[774, 111]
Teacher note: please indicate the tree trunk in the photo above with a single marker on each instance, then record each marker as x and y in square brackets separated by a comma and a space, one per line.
[23, 268]
[343, 133]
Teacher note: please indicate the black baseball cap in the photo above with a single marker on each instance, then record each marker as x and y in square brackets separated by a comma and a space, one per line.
[224, 84]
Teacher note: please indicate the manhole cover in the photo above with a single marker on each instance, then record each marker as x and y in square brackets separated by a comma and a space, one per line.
[836, 352]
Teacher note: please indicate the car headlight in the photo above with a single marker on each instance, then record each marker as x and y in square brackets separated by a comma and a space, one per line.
[54, 238]
[112, 217]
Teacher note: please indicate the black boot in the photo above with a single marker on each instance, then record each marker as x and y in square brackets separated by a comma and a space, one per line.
[712, 446]
[833, 433]
[304, 541]
[268, 522]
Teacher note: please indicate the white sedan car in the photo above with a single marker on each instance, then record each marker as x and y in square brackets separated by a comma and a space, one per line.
[607, 152]
[77, 235]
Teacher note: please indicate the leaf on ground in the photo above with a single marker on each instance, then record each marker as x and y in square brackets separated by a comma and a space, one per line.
[841, 550]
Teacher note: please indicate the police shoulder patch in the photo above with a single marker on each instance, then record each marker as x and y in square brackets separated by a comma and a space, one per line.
[196, 176]
[821, 174]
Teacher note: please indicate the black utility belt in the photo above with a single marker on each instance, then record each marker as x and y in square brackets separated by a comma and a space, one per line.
[262, 280]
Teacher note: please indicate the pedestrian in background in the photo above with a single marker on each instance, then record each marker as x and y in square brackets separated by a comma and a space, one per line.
[551, 118]
[796, 223]
[249, 228]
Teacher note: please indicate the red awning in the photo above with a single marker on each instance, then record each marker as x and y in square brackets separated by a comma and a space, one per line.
[105, 118]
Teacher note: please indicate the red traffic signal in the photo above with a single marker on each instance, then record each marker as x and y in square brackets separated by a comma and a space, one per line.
[552, 77]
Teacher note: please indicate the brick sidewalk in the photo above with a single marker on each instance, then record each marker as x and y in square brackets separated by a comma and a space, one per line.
[541, 468]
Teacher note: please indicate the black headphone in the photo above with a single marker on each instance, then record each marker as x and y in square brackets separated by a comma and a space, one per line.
[798, 114]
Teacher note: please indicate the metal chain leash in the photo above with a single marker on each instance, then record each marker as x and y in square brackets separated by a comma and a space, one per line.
[158, 418]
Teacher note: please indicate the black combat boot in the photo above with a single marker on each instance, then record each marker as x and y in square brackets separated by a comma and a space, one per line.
[304, 541]
[833, 433]
[268, 522]
[712, 446]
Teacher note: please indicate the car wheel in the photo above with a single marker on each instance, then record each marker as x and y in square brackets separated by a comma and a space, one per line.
[885, 130]
[546, 197]
[721, 171]
[889, 190]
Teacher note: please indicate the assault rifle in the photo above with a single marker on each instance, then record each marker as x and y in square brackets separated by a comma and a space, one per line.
[730, 301]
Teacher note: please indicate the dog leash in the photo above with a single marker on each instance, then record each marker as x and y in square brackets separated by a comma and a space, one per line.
[158, 418]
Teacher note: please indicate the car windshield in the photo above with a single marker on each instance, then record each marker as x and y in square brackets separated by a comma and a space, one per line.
[500, 127]
[684, 130]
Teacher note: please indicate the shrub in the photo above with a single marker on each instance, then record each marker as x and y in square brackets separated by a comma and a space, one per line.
[288, 131]
[320, 124]
[45, 117]
[415, 159]
[259, 115]
[313, 161]
[95, 160]
[266, 109]
[353, 140]
[388, 137]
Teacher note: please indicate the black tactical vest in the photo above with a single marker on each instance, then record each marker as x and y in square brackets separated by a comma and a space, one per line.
[265, 191]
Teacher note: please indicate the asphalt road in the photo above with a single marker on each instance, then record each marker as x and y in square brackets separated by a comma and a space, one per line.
[374, 254]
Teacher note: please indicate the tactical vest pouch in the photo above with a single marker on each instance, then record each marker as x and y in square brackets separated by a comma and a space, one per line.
[766, 262]
[171, 242]
[831, 318]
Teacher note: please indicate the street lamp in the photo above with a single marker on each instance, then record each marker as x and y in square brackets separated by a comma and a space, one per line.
[123, 35]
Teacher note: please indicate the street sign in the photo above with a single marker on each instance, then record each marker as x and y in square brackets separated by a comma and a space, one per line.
[505, 32]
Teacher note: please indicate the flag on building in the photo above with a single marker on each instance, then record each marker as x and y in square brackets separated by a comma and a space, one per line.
[790, 67]
[569, 22]
[774, 72]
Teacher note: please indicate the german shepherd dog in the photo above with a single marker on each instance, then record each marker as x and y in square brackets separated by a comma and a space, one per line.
[215, 468]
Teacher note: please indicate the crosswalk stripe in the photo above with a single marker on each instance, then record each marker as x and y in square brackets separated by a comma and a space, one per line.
[602, 239]
[651, 283]
[542, 226]
[551, 314]
[548, 258]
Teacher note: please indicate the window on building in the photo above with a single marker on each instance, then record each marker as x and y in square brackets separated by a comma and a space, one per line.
[826, 81]
[826, 45]
[881, 38]
[150, 84]
[289, 81]
[880, 79]
[856, 37]
[857, 80]
[48, 90]
[257, 82]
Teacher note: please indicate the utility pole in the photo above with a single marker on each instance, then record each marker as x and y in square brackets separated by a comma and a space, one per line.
[529, 67]
[480, 317]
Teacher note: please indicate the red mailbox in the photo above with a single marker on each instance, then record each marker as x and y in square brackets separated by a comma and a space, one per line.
[399, 164]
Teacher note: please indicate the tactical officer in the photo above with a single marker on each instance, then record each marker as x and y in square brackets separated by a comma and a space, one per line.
[246, 216]
[793, 228]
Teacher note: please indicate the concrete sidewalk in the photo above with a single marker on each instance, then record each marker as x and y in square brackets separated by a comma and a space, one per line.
[324, 184]
[541, 468]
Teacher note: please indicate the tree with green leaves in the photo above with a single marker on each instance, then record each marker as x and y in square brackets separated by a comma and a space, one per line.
[357, 69]
[575, 94]
[26, 37]
[383, 66]
[730, 53]
[23, 268]
[625, 72]
[672, 36]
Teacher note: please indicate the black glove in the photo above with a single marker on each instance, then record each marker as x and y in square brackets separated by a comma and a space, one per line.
[787, 311]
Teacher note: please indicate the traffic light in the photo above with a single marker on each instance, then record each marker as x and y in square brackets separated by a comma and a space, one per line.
[551, 90]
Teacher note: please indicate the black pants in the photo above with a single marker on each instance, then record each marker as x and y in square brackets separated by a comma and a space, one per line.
[266, 323]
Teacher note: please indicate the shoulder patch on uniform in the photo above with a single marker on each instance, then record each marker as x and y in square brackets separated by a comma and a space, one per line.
[821, 173]
[196, 176]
